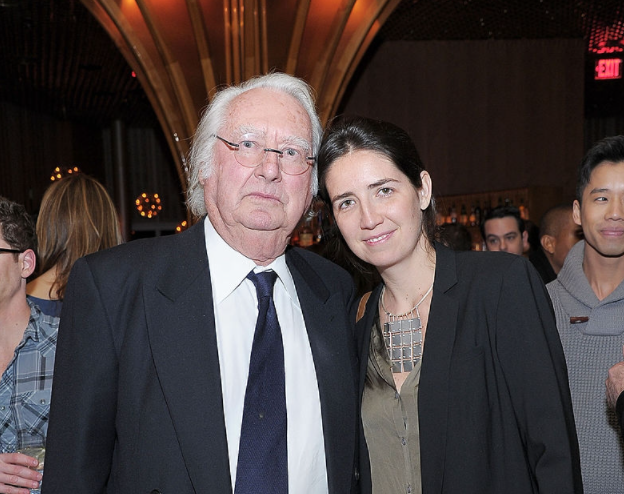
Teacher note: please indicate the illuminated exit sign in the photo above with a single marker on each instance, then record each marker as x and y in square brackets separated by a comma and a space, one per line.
[608, 68]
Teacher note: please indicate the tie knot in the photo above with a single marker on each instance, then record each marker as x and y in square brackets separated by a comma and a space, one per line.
[264, 282]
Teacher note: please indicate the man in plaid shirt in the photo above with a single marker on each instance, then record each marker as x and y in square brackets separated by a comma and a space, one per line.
[27, 349]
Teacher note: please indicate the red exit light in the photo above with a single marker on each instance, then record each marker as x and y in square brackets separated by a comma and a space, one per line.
[608, 68]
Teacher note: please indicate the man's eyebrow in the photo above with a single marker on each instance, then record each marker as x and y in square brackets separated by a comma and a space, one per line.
[261, 134]
[250, 129]
[599, 190]
[297, 141]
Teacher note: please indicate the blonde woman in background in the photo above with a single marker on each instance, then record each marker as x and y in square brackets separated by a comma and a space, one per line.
[77, 217]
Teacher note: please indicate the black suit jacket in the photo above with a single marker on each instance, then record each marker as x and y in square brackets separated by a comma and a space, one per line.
[495, 412]
[136, 405]
[619, 411]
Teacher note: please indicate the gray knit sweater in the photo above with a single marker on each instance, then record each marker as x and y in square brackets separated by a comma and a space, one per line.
[591, 348]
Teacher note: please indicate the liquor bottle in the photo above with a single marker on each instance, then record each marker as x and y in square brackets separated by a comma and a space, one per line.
[453, 214]
[472, 219]
[318, 230]
[478, 214]
[440, 218]
[306, 234]
[524, 211]
[463, 216]
[487, 208]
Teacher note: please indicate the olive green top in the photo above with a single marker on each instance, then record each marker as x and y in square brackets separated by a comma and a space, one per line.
[390, 423]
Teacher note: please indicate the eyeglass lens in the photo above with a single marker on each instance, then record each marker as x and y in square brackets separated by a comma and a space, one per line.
[250, 154]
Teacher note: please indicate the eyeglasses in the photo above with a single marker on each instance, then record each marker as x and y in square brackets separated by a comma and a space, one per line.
[12, 251]
[250, 154]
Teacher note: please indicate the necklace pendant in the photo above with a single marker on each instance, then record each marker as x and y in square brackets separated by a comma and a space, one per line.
[403, 338]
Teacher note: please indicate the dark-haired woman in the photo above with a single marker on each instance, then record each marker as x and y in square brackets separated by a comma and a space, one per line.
[463, 379]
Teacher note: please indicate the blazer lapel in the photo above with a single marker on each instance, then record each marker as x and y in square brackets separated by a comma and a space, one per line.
[324, 314]
[433, 388]
[182, 336]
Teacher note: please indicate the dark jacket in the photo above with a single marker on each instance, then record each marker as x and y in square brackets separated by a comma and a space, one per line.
[542, 265]
[136, 406]
[494, 406]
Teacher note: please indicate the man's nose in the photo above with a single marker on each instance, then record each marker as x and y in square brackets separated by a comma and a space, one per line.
[615, 211]
[270, 168]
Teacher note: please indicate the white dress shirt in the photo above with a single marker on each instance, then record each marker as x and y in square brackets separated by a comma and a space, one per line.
[236, 310]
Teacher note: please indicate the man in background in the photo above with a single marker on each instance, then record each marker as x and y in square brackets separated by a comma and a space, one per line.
[588, 299]
[558, 233]
[503, 229]
[213, 361]
[27, 348]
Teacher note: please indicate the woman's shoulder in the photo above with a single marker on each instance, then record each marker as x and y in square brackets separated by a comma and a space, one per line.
[486, 261]
[493, 268]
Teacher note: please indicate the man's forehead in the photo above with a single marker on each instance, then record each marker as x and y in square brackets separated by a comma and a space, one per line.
[608, 165]
[264, 109]
[508, 223]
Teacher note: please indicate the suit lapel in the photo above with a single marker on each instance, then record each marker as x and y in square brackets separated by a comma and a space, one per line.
[325, 317]
[433, 389]
[182, 336]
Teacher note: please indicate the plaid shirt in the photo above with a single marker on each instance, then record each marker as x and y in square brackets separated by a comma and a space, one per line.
[26, 384]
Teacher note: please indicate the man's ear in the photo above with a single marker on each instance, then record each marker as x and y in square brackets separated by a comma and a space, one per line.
[548, 243]
[525, 242]
[576, 212]
[28, 261]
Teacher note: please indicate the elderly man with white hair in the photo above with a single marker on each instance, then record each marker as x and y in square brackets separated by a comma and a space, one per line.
[217, 360]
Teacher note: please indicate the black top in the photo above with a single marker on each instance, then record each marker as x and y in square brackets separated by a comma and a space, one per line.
[542, 265]
[619, 410]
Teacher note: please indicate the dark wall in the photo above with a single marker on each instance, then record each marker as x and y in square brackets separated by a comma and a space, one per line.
[485, 115]
[32, 145]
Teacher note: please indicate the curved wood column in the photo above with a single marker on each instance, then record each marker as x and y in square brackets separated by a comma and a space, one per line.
[182, 50]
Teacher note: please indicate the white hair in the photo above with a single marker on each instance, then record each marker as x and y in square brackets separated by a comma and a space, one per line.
[201, 156]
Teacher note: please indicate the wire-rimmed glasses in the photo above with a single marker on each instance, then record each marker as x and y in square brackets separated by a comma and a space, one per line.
[250, 154]
[12, 251]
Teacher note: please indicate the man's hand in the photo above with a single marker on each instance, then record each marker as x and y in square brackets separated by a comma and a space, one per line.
[615, 382]
[16, 469]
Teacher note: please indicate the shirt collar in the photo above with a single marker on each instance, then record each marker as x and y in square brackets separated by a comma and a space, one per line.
[574, 280]
[32, 330]
[229, 268]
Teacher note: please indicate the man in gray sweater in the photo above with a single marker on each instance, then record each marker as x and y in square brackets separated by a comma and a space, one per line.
[588, 298]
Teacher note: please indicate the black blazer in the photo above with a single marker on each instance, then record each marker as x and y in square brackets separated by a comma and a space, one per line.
[494, 406]
[136, 403]
[619, 411]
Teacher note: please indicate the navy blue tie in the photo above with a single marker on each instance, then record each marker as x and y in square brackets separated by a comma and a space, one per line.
[262, 455]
